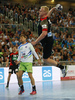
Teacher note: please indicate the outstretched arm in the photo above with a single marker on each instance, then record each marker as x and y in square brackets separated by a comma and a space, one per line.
[42, 36]
[58, 7]
[50, 12]
[7, 62]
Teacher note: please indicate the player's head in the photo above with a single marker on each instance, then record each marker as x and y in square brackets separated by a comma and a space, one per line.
[14, 49]
[43, 11]
[23, 38]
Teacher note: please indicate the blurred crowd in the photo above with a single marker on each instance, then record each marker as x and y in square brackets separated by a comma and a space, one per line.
[64, 40]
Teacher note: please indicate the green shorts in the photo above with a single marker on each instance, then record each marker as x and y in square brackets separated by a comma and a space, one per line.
[25, 66]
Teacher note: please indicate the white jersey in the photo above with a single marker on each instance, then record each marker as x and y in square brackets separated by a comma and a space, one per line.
[26, 52]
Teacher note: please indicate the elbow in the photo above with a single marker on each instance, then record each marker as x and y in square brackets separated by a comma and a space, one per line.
[45, 33]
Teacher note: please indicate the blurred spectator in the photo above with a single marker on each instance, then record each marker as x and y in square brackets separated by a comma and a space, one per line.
[19, 32]
[1, 53]
[1, 31]
[13, 41]
[1, 61]
[73, 58]
[13, 17]
[65, 56]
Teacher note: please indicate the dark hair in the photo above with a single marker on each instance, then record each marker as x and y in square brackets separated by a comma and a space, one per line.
[23, 35]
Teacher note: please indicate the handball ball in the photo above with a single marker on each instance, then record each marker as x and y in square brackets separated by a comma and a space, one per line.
[59, 7]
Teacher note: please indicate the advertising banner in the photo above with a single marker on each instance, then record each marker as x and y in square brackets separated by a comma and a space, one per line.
[70, 73]
[40, 73]
[1, 75]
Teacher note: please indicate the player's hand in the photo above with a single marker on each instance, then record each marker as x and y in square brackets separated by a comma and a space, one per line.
[6, 65]
[17, 62]
[33, 43]
[59, 7]
[39, 61]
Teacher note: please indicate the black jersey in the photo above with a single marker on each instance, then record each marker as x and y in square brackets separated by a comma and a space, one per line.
[47, 42]
[45, 25]
[12, 57]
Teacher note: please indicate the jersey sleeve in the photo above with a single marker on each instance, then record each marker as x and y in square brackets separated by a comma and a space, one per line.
[33, 51]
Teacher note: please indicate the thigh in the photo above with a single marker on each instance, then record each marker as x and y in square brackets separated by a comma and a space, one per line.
[28, 67]
[22, 67]
[30, 74]
[20, 73]
[47, 50]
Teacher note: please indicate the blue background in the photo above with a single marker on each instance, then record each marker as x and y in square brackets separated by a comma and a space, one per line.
[46, 73]
[25, 77]
[2, 75]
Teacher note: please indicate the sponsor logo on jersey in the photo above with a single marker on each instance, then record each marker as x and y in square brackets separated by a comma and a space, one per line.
[44, 26]
[25, 46]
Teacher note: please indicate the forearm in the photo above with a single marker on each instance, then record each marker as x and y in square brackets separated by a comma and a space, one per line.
[50, 12]
[7, 62]
[42, 36]
[18, 62]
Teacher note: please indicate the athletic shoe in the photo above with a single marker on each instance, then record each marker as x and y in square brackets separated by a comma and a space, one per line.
[33, 93]
[64, 71]
[7, 86]
[21, 91]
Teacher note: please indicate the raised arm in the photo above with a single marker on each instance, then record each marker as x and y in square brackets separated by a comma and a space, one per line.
[58, 7]
[7, 62]
[50, 12]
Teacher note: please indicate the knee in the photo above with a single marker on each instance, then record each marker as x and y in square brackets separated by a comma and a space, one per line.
[45, 60]
[30, 76]
[9, 74]
[17, 74]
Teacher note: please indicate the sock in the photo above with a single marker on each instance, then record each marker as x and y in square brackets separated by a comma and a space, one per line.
[22, 87]
[33, 88]
[7, 83]
[60, 66]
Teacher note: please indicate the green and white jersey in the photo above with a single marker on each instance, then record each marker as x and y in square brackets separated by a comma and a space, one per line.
[26, 52]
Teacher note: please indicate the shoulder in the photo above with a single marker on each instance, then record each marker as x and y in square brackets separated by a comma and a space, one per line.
[19, 46]
[16, 52]
[29, 44]
[11, 54]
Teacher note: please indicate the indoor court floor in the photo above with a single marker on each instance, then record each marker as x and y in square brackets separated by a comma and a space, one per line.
[48, 90]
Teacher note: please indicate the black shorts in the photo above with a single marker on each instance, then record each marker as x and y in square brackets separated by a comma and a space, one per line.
[47, 48]
[13, 69]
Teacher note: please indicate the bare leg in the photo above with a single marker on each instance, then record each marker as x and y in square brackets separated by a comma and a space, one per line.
[50, 61]
[20, 73]
[17, 77]
[8, 79]
[31, 78]
[20, 82]
[33, 84]
[54, 63]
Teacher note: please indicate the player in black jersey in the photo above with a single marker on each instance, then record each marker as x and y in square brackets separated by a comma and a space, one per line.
[46, 37]
[12, 66]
